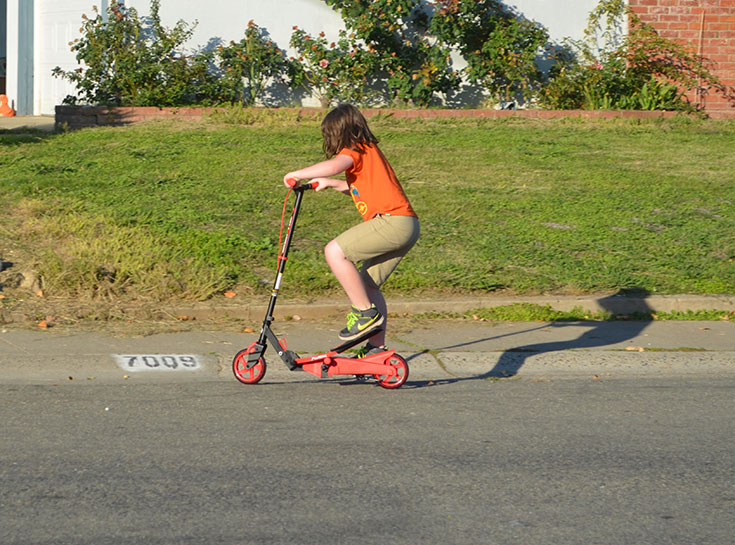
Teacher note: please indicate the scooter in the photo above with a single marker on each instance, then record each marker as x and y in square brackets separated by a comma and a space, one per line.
[388, 368]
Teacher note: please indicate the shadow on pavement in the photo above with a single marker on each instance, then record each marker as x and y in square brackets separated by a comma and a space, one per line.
[599, 334]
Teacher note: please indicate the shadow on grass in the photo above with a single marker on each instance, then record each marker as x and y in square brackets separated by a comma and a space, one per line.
[598, 334]
[24, 135]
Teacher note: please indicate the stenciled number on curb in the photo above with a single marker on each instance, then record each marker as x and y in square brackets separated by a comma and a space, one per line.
[158, 362]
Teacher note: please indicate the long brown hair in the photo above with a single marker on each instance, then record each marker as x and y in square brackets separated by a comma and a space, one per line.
[345, 127]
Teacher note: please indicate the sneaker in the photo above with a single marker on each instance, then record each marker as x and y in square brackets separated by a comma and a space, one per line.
[360, 322]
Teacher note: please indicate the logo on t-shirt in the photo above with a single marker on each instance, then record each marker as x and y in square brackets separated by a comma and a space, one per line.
[361, 206]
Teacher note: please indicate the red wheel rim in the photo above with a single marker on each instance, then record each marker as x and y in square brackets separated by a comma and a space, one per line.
[240, 364]
[394, 381]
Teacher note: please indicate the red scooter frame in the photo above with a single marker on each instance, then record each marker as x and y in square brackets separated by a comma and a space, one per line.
[249, 365]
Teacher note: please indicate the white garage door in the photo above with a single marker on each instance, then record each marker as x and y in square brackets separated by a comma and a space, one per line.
[56, 24]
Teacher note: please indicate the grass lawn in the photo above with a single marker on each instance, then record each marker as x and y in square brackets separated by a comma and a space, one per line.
[182, 210]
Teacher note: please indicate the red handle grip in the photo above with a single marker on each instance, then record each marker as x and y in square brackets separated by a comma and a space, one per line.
[308, 185]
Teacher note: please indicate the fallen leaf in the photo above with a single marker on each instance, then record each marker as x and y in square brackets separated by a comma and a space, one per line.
[39, 293]
[229, 294]
[595, 377]
[2, 296]
[635, 348]
[296, 317]
[43, 324]
[704, 328]
[247, 330]
[186, 318]
[71, 378]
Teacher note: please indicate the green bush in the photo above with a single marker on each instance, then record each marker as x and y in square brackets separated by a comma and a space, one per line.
[393, 52]
[414, 65]
[338, 71]
[254, 60]
[500, 47]
[125, 64]
[637, 70]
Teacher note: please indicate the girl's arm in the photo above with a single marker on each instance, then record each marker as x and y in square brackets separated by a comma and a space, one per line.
[337, 185]
[325, 169]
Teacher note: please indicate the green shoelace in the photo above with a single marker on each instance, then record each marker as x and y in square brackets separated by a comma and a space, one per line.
[352, 318]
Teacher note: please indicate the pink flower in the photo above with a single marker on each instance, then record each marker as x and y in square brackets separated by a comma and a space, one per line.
[324, 63]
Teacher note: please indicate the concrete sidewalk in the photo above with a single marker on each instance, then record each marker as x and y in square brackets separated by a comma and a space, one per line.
[435, 350]
[38, 122]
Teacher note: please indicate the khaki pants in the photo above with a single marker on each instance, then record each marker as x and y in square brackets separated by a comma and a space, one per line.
[380, 243]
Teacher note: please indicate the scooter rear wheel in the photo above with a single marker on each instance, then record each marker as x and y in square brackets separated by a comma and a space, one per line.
[240, 370]
[394, 381]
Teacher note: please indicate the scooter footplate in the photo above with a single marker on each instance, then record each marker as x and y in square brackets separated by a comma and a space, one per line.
[347, 366]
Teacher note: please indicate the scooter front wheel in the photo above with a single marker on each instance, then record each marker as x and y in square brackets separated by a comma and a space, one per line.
[240, 367]
[394, 381]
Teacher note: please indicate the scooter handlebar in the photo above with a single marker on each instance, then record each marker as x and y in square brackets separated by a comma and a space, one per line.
[303, 187]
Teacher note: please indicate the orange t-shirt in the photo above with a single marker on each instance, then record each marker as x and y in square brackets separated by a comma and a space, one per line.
[373, 184]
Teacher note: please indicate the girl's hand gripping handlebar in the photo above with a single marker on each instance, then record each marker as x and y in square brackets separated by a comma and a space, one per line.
[294, 184]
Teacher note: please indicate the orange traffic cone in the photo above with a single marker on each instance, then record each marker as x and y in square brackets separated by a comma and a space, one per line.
[5, 110]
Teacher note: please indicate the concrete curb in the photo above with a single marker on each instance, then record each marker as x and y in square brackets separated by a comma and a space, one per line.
[318, 309]
[331, 309]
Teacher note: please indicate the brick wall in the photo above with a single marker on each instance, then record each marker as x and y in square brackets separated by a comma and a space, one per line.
[707, 26]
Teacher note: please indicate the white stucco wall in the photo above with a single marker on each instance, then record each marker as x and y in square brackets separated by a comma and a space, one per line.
[227, 20]
[562, 18]
[57, 23]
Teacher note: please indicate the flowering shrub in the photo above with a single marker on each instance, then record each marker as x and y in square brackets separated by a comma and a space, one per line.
[499, 46]
[123, 64]
[414, 65]
[610, 69]
[333, 71]
[253, 60]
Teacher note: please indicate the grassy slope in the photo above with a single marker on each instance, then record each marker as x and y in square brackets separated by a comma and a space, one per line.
[167, 210]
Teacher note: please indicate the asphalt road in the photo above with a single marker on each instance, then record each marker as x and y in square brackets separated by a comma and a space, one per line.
[582, 460]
